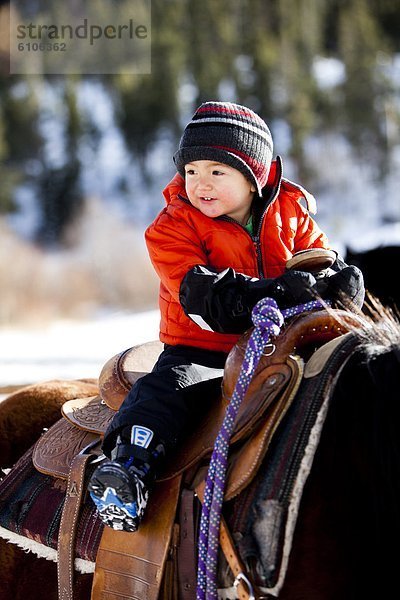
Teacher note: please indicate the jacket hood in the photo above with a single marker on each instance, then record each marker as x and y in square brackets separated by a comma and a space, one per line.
[176, 187]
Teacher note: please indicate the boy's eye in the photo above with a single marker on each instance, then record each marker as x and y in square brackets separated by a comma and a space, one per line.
[189, 171]
[217, 172]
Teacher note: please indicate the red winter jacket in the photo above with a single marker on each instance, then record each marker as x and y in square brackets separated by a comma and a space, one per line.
[182, 237]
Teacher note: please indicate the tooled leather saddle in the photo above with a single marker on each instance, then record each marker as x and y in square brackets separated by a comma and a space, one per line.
[134, 565]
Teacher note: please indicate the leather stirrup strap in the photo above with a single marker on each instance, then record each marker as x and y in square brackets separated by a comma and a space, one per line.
[244, 587]
[187, 547]
[69, 525]
[131, 565]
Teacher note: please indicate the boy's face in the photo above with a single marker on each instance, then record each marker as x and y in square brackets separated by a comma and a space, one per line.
[217, 189]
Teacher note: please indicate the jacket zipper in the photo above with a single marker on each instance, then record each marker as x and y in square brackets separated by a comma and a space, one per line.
[257, 246]
[255, 239]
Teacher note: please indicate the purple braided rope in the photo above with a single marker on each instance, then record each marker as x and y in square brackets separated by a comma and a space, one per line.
[268, 320]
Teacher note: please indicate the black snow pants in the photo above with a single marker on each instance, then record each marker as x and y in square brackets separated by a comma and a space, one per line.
[170, 400]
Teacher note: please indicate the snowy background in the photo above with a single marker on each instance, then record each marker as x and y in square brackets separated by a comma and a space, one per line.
[70, 349]
[350, 201]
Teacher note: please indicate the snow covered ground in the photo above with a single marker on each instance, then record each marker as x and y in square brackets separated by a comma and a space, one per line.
[70, 349]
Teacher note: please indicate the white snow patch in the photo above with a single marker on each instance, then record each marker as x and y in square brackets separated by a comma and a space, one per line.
[70, 349]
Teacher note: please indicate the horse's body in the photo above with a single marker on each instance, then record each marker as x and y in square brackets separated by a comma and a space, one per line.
[349, 519]
[347, 533]
[23, 416]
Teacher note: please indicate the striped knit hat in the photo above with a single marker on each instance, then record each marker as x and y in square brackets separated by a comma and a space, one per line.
[230, 134]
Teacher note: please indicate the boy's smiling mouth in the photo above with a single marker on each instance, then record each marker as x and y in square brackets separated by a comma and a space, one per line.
[207, 198]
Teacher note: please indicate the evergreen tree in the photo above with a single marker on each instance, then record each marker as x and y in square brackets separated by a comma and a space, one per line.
[146, 104]
[259, 53]
[59, 191]
[211, 39]
[365, 88]
[300, 25]
[20, 140]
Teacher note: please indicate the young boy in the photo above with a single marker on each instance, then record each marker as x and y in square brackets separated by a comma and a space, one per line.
[230, 224]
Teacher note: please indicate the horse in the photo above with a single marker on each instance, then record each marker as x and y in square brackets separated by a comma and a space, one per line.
[349, 524]
[348, 518]
[24, 414]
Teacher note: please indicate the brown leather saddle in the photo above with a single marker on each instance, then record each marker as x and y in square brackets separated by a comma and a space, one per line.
[133, 565]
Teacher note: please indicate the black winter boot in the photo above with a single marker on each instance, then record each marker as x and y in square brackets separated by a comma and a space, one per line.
[120, 487]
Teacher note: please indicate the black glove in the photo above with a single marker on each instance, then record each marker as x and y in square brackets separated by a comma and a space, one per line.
[223, 301]
[291, 288]
[216, 300]
[347, 284]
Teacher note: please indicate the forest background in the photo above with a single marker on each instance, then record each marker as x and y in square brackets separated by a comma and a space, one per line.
[84, 158]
